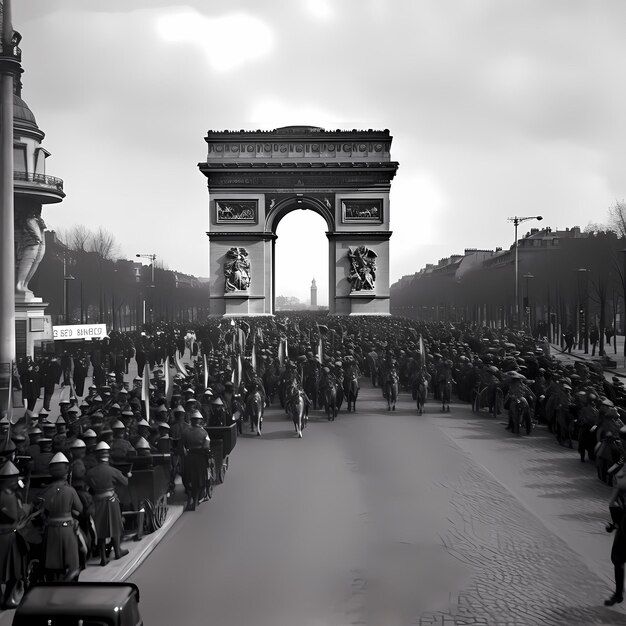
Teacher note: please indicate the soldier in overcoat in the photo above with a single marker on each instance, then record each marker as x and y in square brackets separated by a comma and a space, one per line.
[13, 548]
[196, 446]
[61, 506]
[102, 480]
[617, 508]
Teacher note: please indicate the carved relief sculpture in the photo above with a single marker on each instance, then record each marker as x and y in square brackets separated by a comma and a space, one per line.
[30, 246]
[362, 268]
[236, 270]
[236, 211]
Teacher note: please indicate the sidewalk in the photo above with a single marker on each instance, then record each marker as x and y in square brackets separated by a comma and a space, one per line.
[579, 355]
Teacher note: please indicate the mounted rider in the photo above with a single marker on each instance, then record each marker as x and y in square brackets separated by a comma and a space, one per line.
[517, 390]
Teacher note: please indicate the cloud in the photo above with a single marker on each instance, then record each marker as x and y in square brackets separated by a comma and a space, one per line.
[319, 9]
[228, 41]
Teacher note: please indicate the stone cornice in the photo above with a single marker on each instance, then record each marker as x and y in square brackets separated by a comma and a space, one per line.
[261, 235]
[308, 132]
[298, 165]
[381, 235]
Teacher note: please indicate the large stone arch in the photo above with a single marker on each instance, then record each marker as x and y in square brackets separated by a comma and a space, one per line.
[256, 178]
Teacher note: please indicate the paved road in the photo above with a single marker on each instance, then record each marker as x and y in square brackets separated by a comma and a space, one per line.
[388, 518]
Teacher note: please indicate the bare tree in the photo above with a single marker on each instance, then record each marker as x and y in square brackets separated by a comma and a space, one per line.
[617, 218]
[103, 243]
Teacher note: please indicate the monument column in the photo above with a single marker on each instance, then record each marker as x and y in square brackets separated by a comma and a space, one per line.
[10, 56]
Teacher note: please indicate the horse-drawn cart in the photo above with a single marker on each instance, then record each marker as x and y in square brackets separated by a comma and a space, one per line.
[223, 440]
[145, 498]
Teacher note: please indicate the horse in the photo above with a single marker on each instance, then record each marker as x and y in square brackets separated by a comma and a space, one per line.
[254, 411]
[421, 392]
[519, 413]
[311, 386]
[296, 408]
[270, 383]
[351, 390]
[445, 388]
[329, 400]
[564, 424]
[391, 389]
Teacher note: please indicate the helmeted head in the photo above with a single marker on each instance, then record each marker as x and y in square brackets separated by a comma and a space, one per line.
[59, 466]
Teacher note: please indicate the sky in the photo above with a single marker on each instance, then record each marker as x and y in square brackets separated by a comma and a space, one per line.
[497, 108]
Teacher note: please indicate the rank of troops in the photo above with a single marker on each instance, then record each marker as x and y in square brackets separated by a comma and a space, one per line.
[80, 514]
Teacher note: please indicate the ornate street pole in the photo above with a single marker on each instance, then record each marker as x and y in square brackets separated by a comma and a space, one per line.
[10, 68]
[516, 222]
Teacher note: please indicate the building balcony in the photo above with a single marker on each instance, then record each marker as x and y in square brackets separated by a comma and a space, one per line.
[43, 188]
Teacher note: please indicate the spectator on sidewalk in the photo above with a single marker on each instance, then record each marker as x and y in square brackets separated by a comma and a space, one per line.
[608, 331]
[569, 340]
[594, 337]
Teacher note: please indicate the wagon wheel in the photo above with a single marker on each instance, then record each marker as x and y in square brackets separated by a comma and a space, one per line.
[209, 488]
[148, 518]
[159, 512]
[212, 469]
[225, 464]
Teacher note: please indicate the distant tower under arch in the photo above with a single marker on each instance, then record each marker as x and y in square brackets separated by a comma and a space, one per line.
[313, 294]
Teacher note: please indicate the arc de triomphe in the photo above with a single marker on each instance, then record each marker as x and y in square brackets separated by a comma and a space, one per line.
[256, 177]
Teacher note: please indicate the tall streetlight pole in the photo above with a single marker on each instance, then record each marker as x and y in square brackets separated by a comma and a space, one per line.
[528, 317]
[516, 222]
[584, 273]
[66, 278]
[152, 258]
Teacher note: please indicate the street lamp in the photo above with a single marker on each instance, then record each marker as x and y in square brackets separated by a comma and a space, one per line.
[66, 278]
[583, 273]
[516, 222]
[152, 258]
[528, 277]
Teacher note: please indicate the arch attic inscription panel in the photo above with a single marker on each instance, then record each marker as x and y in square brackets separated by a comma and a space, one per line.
[255, 178]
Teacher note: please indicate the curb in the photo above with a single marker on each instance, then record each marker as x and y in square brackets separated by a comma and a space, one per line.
[118, 571]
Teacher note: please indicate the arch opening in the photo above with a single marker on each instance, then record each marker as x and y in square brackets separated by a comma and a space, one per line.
[300, 256]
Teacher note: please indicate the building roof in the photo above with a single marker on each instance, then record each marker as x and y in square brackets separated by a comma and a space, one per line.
[22, 112]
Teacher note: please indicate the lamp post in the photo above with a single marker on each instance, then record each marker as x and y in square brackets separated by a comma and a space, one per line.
[66, 292]
[516, 222]
[528, 276]
[583, 274]
[152, 258]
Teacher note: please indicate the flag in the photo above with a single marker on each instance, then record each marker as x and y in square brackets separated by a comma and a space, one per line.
[206, 372]
[320, 351]
[179, 366]
[281, 352]
[145, 384]
[167, 375]
[254, 356]
[242, 340]
[323, 329]
[422, 352]
[65, 394]
[245, 326]
[239, 370]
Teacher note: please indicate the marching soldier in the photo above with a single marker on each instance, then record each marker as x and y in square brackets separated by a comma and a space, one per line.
[196, 446]
[61, 504]
[102, 479]
[13, 548]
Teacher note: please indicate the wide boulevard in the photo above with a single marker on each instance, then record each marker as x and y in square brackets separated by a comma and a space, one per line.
[389, 518]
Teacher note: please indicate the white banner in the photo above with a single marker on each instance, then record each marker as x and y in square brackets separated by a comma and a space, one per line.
[80, 331]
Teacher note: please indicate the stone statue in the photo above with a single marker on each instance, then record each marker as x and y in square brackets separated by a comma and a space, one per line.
[237, 270]
[362, 268]
[30, 246]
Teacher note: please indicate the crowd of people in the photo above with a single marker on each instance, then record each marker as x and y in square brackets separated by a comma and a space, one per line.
[219, 366]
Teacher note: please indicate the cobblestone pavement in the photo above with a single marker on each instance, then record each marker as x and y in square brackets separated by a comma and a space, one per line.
[534, 536]
[523, 573]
